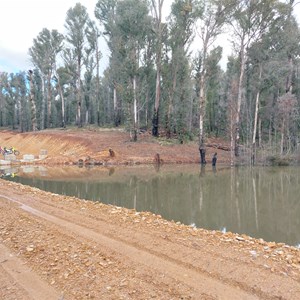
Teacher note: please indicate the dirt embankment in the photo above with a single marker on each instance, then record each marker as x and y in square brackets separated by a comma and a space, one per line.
[57, 247]
[70, 146]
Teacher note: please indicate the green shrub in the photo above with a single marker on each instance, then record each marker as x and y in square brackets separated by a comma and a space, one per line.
[274, 160]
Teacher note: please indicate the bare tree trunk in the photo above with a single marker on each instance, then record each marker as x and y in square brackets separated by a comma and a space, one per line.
[19, 113]
[259, 133]
[232, 137]
[289, 82]
[202, 101]
[232, 116]
[78, 86]
[239, 98]
[49, 100]
[155, 123]
[171, 100]
[201, 118]
[146, 110]
[190, 121]
[117, 120]
[134, 110]
[98, 83]
[32, 103]
[61, 94]
[87, 117]
[282, 138]
[256, 117]
[159, 26]
[63, 122]
[78, 114]
[43, 104]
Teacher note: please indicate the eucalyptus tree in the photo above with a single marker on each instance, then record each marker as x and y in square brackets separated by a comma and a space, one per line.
[106, 13]
[10, 88]
[59, 87]
[287, 113]
[93, 35]
[176, 68]
[214, 91]
[46, 47]
[32, 101]
[3, 96]
[270, 69]
[20, 91]
[212, 17]
[8, 113]
[285, 55]
[65, 89]
[157, 9]
[251, 20]
[148, 79]
[18, 86]
[76, 24]
[67, 75]
[133, 24]
[90, 65]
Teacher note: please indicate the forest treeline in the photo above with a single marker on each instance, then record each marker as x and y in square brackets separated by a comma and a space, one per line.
[164, 74]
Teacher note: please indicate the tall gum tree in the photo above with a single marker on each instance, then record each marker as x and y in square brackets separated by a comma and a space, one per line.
[133, 23]
[157, 8]
[212, 16]
[105, 12]
[177, 70]
[43, 53]
[76, 24]
[251, 20]
[93, 34]
[32, 101]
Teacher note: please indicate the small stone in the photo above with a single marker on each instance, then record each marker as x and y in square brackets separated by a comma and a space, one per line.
[124, 283]
[30, 248]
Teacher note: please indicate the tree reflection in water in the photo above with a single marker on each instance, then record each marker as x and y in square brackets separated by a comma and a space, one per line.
[260, 202]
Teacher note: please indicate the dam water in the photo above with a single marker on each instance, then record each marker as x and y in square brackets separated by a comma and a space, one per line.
[263, 202]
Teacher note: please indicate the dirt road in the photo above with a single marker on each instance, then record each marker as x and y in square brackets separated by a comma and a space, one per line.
[66, 248]
[57, 247]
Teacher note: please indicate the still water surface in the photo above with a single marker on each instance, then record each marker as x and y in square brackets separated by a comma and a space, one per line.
[263, 202]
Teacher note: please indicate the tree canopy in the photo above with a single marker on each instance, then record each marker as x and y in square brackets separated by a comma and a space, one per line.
[164, 74]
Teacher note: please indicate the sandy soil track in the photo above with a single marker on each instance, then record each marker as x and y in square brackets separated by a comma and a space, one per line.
[77, 249]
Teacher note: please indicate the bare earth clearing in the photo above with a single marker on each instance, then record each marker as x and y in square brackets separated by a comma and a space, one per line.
[57, 247]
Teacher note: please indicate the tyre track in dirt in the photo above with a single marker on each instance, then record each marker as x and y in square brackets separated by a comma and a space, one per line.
[184, 269]
[183, 256]
[79, 267]
[30, 286]
[199, 282]
[253, 277]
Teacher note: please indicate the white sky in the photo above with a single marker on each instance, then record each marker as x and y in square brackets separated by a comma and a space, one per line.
[22, 20]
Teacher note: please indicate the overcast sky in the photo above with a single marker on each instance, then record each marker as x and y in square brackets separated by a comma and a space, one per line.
[22, 20]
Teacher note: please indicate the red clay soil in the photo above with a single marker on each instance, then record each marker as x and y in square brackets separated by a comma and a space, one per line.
[58, 247]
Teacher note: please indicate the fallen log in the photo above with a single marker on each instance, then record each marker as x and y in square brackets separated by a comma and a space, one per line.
[218, 146]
